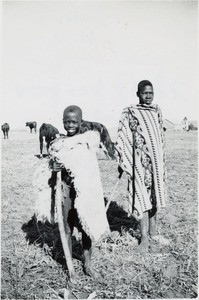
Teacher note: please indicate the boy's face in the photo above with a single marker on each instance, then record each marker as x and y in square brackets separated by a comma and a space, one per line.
[146, 95]
[71, 123]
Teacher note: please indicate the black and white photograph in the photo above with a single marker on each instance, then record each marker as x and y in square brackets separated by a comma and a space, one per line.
[99, 149]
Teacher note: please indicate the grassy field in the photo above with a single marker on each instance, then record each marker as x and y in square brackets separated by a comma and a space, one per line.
[33, 266]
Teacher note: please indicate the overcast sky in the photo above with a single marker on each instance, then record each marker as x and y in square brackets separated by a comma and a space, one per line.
[93, 54]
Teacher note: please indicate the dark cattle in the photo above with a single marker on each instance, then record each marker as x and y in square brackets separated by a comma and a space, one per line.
[5, 128]
[49, 133]
[32, 125]
[106, 143]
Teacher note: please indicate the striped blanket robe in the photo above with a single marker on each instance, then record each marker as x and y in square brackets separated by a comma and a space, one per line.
[140, 149]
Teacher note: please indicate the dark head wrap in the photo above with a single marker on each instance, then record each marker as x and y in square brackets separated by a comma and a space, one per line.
[73, 109]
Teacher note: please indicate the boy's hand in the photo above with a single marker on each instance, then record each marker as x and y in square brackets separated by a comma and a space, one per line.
[57, 167]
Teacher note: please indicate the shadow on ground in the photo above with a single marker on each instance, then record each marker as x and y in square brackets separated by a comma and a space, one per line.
[42, 234]
[120, 221]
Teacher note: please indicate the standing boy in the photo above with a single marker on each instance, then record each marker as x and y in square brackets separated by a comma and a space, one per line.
[140, 148]
[83, 195]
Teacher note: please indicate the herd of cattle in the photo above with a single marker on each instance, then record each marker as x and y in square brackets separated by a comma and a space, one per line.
[47, 133]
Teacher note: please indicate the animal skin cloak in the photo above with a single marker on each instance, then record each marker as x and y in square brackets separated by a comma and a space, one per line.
[78, 155]
[140, 147]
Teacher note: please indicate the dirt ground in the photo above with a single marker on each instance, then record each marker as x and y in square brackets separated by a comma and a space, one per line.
[33, 265]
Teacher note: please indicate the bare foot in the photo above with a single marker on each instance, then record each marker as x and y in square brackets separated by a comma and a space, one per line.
[90, 272]
[160, 239]
[143, 246]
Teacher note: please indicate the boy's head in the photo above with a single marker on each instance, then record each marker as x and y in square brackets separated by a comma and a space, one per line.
[72, 118]
[145, 92]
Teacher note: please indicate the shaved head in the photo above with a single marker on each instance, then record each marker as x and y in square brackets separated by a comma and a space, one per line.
[142, 84]
[73, 109]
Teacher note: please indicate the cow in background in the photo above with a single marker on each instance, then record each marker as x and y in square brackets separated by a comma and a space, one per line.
[5, 128]
[47, 133]
[105, 141]
[32, 125]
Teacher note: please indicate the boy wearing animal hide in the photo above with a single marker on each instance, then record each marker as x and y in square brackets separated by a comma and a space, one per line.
[83, 202]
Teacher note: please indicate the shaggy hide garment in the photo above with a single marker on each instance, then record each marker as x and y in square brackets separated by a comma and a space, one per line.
[42, 191]
[140, 147]
[78, 155]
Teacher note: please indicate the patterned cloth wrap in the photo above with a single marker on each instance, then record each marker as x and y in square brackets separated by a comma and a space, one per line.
[140, 149]
[78, 155]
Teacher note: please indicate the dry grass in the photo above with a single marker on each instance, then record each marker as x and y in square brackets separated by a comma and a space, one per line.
[33, 266]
